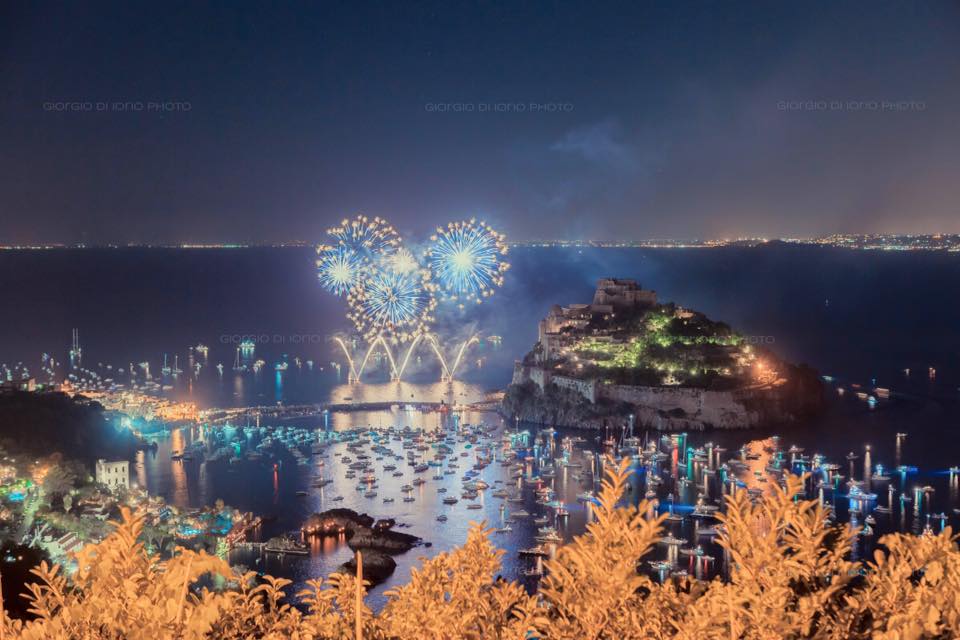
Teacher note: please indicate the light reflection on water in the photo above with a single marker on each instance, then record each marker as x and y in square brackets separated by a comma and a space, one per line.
[455, 392]
[255, 486]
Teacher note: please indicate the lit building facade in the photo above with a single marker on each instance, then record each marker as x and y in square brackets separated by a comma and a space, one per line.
[115, 475]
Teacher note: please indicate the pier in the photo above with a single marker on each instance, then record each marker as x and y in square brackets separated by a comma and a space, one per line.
[228, 416]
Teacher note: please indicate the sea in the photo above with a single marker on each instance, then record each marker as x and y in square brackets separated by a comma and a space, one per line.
[865, 319]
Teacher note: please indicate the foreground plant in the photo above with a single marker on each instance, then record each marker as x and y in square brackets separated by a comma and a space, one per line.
[789, 575]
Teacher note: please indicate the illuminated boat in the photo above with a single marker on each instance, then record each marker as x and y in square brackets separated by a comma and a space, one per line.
[286, 546]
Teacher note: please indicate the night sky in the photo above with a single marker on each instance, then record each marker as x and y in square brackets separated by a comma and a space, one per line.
[263, 122]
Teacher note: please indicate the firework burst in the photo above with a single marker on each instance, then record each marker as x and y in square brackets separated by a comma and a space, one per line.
[357, 245]
[393, 304]
[401, 261]
[392, 292]
[371, 239]
[465, 259]
[338, 268]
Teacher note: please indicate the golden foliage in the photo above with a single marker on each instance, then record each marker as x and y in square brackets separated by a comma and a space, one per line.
[790, 576]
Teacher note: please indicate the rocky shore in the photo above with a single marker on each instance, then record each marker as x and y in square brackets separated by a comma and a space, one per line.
[668, 408]
[375, 538]
[377, 566]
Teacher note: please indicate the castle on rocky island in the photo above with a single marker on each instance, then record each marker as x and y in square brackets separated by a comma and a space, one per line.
[665, 367]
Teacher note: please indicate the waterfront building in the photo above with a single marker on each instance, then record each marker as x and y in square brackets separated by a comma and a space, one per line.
[113, 474]
[22, 384]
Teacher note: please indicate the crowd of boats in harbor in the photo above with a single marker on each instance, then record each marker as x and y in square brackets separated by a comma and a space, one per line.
[537, 488]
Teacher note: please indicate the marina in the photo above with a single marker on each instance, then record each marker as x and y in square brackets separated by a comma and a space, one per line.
[535, 487]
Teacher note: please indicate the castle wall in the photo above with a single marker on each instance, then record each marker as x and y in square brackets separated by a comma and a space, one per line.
[586, 388]
[721, 409]
[522, 374]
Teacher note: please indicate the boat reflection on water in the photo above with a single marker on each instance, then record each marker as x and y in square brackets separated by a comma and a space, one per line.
[536, 487]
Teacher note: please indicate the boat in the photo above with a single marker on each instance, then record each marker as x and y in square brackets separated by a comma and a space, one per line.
[302, 493]
[474, 505]
[286, 546]
[441, 518]
[450, 500]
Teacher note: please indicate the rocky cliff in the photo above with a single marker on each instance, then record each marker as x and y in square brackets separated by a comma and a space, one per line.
[797, 393]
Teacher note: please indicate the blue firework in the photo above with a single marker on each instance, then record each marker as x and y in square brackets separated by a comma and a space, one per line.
[371, 239]
[392, 303]
[465, 260]
[338, 268]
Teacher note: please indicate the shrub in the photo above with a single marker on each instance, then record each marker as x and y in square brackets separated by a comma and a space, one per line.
[789, 576]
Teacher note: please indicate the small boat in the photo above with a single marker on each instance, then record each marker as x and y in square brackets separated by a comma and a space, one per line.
[286, 546]
[302, 493]
[441, 518]
[537, 551]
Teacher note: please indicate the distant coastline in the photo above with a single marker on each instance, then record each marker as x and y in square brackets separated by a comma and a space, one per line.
[859, 241]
